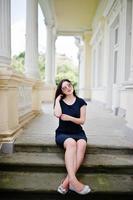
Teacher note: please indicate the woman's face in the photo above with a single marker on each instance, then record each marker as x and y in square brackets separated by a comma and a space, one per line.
[67, 88]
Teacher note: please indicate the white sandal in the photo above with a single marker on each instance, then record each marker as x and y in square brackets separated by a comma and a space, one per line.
[84, 191]
[62, 190]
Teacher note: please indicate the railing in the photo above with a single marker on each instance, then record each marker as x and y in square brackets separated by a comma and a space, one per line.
[24, 100]
[20, 101]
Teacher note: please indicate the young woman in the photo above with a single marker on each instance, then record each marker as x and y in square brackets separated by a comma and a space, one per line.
[71, 111]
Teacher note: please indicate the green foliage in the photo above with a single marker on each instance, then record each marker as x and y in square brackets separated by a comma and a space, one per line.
[18, 63]
[65, 71]
[42, 66]
[21, 55]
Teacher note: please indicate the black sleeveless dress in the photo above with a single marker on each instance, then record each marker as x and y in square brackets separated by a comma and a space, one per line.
[68, 129]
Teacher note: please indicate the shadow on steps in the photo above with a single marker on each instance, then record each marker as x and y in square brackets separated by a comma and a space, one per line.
[69, 196]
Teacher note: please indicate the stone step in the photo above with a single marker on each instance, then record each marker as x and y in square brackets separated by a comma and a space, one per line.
[48, 182]
[52, 148]
[54, 162]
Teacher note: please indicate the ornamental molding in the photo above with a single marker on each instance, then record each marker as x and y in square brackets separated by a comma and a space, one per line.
[48, 11]
[98, 35]
[114, 11]
[74, 32]
[108, 7]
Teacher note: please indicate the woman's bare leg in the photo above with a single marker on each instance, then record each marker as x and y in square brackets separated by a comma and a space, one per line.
[70, 155]
[81, 148]
[70, 159]
[80, 152]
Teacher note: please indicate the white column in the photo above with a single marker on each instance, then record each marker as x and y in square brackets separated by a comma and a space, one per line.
[96, 66]
[85, 68]
[5, 33]
[50, 55]
[81, 71]
[31, 55]
[49, 86]
[131, 68]
[53, 55]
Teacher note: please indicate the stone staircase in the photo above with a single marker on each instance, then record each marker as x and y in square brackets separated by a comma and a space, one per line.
[36, 167]
[35, 171]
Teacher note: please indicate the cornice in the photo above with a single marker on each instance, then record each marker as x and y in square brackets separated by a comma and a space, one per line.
[108, 7]
[115, 10]
[74, 32]
[98, 34]
[48, 12]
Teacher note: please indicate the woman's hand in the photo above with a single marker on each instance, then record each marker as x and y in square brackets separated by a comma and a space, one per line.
[75, 120]
[65, 117]
[59, 98]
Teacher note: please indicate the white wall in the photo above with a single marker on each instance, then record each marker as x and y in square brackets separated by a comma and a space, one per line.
[113, 95]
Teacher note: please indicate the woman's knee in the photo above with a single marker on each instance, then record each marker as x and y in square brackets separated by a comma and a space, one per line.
[81, 144]
[70, 143]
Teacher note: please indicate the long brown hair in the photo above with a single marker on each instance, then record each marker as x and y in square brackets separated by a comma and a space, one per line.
[59, 90]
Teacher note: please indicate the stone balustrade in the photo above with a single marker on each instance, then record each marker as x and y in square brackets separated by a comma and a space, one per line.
[20, 101]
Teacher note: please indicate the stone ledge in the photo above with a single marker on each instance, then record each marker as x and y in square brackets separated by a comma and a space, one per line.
[54, 162]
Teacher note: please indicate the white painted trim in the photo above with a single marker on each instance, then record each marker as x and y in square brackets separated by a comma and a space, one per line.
[47, 10]
[100, 9]
[95, 34]
[115, 11]
[75, 32]
[69, 33]
[108, 7]
[52, 3]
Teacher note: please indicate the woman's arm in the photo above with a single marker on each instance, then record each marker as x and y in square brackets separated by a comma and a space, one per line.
[57, 107]
[75, 120]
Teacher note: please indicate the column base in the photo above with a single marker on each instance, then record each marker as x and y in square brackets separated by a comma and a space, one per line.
[11, 135]
[7, 147]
